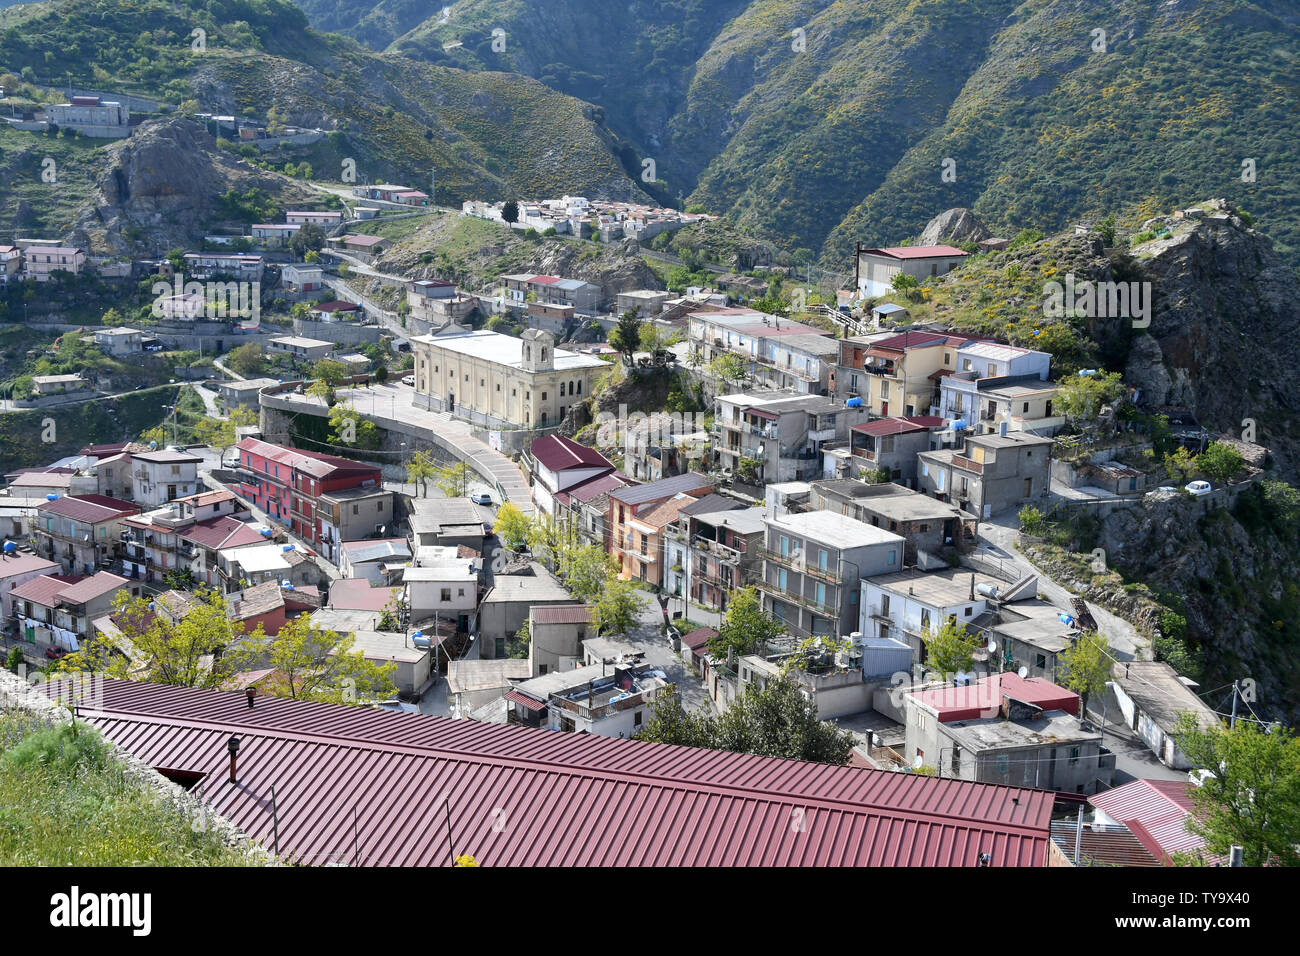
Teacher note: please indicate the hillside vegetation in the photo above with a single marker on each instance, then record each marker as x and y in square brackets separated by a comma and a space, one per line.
[840, 133]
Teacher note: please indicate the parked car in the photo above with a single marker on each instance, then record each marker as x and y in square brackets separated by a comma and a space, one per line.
[408, 380]
[481, 499]
[1200, 488]
[54, 652]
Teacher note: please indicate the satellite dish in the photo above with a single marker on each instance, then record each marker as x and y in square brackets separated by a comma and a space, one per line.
[1023, 672]
[993, 646]
[916, 762]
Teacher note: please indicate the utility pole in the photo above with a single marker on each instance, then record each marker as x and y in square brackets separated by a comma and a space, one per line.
[1233, 724]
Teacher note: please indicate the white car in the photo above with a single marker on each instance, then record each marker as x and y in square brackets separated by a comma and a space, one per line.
[408, 380]
[1199, 488]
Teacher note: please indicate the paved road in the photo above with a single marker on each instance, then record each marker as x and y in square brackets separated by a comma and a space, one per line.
[997, 541]
[660, 653]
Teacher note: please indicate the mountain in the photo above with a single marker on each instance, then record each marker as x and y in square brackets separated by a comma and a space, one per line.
[481, 133]
[1049, 110]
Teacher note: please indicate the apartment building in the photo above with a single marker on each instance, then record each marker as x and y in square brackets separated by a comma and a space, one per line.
[18, 568]
[318, 217]
[780, 353]
[560, 464]
[302, 278]
[324, 499]
[60, 609]
[993, 383]
[813, 563]
[924, 523]
[605, 700]
[725, 553]
[437, 302]
[82, 532]
[160, 476]
[890, 446]
[186, 535]
[553, 290]
[898, 374]
[209, 265]
[776, 436]
[630, 539]
[990, 473]
[40, 262]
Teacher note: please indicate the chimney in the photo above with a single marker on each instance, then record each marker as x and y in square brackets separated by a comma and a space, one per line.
[972, 587]
[251, 693]
[232, 745]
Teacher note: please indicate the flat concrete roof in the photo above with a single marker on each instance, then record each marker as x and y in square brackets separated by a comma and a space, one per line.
[834, 529]
[387, 645]
[540, 586]
[943, 588]
[465, 676]
[503, 349]
[994, 733]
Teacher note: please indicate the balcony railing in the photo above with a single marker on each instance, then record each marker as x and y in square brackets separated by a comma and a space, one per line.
[798, 563]
[968, 464]
[825, 610]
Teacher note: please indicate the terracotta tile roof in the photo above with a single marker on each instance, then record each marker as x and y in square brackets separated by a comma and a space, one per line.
[92, 587]
[46, 589]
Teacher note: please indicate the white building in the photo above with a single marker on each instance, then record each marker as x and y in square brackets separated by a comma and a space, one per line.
[158, 477]
[876, 268]
[601, 699]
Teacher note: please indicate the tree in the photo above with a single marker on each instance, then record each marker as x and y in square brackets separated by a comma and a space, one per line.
[950, 650]
[1180, 464]
[1082, 396]
[331, 371]
[511, 525]
[625, 337]
[247, 360]
[1086, 666]
[190, 651]
[746, 629]
[221, 433]
[347, 427]
[546, 539]
[315, 664]
[518, 644]
[616, 607]
[775, 720]
[510, 211]
[586, 570]
[668, 723]
[729, 369]
[309, 238]
[1251, 796]
[453, 479]
[904, 284]
[1220, 463]
[15, 659]
[420, 469]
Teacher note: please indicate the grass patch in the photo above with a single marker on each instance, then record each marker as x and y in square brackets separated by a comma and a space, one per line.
[64, 801]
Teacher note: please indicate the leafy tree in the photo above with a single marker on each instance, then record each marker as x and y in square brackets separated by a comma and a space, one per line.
[1106, 229]
[616, 607]
[1082, 396]
[729, 370]
[1220, 463]
[586, 570]
[905, 284]
[668, 723]
[775, 720]
[189, 652]
[1086, 666]
[15, 659]
[247, 360]
[330, 371]
[309, 238]
[220, 433]
[510, 211]
[746, 629]
[1251, 797]
[1180, 464]
[518, 644]
[626, 335]
[347, 427]
[951, 649]
[420, 469]
[323, 390]
[315, 664]
[453, 479]
[511, 525]
[157, 435]
[546, 539]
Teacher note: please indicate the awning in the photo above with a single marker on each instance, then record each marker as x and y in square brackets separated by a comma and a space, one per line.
[524, 700]
[759, 413]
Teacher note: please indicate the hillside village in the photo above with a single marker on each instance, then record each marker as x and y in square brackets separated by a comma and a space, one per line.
[455, 505]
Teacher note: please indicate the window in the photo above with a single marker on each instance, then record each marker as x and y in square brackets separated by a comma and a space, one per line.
[446, 595]
[884, 605]
[543, 396]
[925, 619]
[1074, 755]
[1040, 661]
[969, 610]
[579, 388]
[460, 592]
[541, 669]
[636, 719]
[561, 390]
[893, 558]
[1003, 763]
[356, 509]
[821, 594]
[781, 579]
[481, 383]
[498, 386]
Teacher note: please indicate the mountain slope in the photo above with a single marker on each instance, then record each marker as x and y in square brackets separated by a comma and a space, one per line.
[845, 139]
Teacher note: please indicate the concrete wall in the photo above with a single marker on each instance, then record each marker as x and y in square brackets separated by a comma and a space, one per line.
[349, 333]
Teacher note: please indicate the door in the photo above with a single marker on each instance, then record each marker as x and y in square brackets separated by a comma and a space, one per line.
[451, 401]
[884, 407]
[1029, 487]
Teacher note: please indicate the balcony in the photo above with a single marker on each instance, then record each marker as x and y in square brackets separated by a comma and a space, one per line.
[790, 597]
[796, 562]
[822, 434]
[968, 464]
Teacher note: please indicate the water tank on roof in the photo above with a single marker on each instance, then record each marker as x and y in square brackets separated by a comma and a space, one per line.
[286, 583]
[854, 402]
[286, 547]
[1087, 371]
[51, 497]
[959, 424]
[264, 532]
[10, 547]
[1066, 619]
[988, 590]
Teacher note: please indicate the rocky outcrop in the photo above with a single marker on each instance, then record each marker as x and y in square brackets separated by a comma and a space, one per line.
[159, 190]
[953, 225]
[1226, 325]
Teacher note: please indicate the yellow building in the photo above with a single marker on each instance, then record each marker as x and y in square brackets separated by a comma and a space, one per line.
[499, 380]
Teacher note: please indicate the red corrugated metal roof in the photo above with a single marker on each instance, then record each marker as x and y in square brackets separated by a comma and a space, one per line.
[558, 453]
[1156, 811]
[983, 698]
[525, 700]
[565, 799]
[561, 614]
[916, 252]
[91, 509]
[698, 638]
[899, 425]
